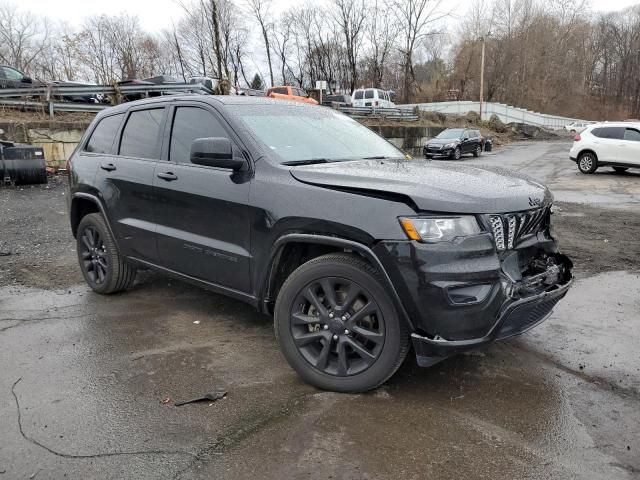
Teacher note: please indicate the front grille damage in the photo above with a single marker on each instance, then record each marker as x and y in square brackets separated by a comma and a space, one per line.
[510, 228]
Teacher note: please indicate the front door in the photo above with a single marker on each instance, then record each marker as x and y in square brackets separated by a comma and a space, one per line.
[202, 212]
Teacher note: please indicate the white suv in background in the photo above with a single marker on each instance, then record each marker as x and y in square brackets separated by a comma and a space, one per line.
[371, 97]
[614, 145]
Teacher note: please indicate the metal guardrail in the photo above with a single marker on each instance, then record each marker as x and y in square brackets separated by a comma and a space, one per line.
[387, 113]
[47, 98]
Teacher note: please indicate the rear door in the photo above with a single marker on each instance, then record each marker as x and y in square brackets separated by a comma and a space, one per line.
[202, 212]
[631, 149]
[125, 181]
[609, 143]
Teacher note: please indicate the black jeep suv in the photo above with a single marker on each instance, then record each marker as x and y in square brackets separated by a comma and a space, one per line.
[356, 251]
[453, 143]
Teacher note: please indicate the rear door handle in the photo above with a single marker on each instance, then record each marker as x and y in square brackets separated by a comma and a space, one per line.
[168, 176]
[109, 167]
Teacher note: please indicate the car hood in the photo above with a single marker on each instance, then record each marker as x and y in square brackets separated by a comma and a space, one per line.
[433, 186]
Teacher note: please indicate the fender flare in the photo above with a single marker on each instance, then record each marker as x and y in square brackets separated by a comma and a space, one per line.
[96, 200]
[360, 248]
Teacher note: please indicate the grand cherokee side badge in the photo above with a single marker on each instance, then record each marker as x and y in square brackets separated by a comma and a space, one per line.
[535, 202]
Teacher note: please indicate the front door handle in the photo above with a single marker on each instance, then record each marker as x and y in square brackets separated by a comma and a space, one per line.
[168, 176]
[109, 167]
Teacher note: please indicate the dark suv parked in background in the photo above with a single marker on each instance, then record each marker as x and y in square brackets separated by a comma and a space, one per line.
[13, 78]
[454, 142]
[314, 219]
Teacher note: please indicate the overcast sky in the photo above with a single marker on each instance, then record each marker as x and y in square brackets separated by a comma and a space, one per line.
[156, 14]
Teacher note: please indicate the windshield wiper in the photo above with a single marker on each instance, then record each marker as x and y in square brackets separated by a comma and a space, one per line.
[310, 161]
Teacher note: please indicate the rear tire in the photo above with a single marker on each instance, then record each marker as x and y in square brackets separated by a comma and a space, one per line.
[102, 266]
[620, 169]
[338, 327]
[477, 151]
[587, 162]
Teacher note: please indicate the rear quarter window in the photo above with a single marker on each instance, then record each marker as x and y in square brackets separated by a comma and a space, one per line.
[104, 134]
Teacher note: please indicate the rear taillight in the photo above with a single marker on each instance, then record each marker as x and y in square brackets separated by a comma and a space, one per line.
[375, 103]
[577, 138]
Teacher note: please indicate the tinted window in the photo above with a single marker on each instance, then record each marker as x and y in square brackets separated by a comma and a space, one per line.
[140, 135]
[631, 134]
[368, 94]
[358, 95]
[615, 133]
[104, 134]
[190, 123]
[12, 74]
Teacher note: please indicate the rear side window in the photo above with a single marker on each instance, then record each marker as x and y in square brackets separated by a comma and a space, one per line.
[190, 123]
[282, 90]
[632, 134]
[104, 134]
[368, 94]
[358, 95]
[614, 133]
[140, 134]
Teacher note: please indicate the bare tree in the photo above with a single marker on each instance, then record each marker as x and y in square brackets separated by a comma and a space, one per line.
[350, 16]
[260, 11]
[415, 18]
[23, 36]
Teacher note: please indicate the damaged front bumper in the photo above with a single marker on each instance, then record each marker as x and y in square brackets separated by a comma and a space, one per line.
[466, 295]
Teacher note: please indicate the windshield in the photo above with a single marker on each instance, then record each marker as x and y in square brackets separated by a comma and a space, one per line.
[451, 133]
[310, 133]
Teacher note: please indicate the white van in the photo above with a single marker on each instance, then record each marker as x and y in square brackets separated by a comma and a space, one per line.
[371, 97]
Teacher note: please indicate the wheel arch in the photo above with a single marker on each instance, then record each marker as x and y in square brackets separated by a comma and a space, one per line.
[288, 253]
[587, 150]
[83, 204]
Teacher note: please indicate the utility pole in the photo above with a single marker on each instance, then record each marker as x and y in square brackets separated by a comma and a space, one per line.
[482, 77]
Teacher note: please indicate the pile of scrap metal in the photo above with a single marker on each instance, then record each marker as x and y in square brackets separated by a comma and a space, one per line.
[21, 164]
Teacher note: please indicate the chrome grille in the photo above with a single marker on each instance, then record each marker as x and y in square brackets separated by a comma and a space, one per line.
[508, 229]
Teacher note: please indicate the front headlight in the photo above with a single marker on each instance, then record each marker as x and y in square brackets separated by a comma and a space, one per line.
[450, 145]
[439, 229]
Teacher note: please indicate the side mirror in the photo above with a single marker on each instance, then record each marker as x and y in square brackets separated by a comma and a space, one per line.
[26, 79]
[215, 152]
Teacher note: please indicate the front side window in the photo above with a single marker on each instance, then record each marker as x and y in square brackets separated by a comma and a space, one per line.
[632, 135]
[300, 134]
[190, 123]
[281, 90]
[104, 134]
[140, 134]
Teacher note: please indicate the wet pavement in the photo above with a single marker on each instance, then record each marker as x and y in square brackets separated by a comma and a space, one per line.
[88, 383]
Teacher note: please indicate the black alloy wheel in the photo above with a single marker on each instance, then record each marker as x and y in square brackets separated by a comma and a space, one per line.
[457, 153]
[102, 266]
[337, 326]
[94, 258]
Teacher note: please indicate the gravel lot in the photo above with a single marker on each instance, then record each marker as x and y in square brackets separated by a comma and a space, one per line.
[86, 379]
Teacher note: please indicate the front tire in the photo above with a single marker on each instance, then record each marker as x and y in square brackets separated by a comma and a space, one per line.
[587, 163]
[457, 153]
[104, 270]
[337, 325]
